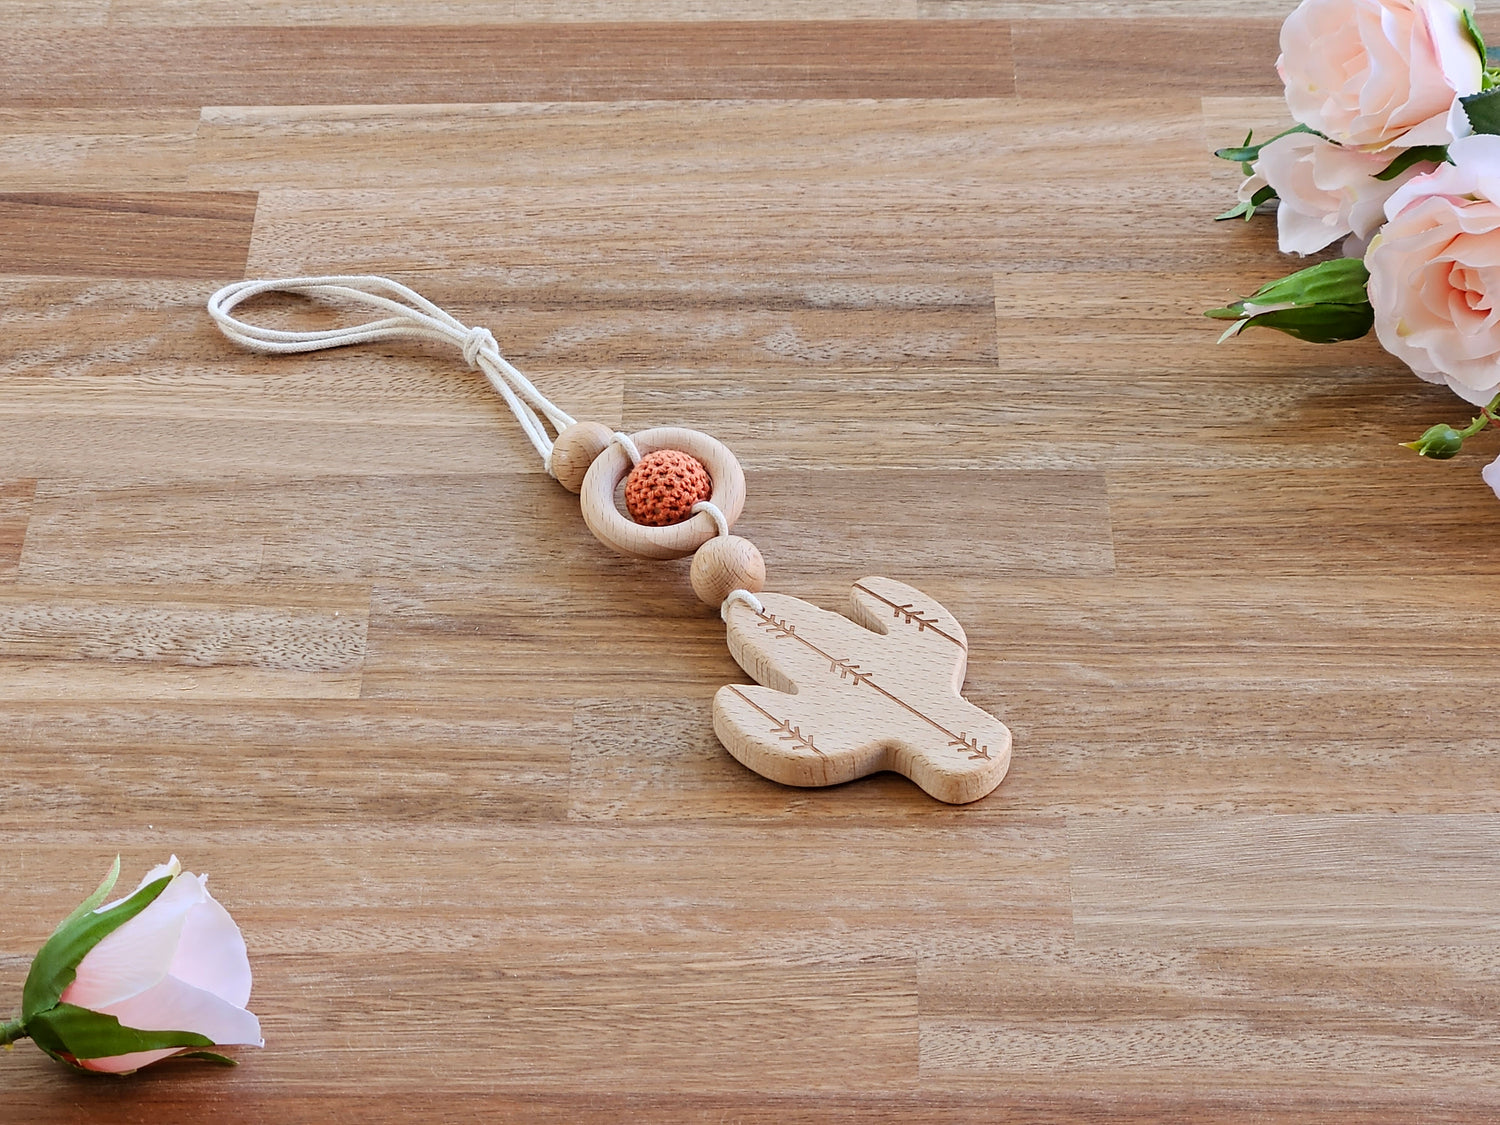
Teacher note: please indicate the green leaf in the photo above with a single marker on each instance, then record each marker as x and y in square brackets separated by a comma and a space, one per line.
[1422, 154]
[1486, 56]
[1483, 111]
[67, 1029]
[208, 1057]
[55, 1047]
[1472, 29]
[1246, 208]
[100, 894]
[55, 964]
[1248, 153]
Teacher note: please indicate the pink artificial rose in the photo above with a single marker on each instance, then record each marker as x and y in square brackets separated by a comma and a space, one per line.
[179, 965]
[1378, 73]
[1435, 272]
[1491, 474]
[1327, 191]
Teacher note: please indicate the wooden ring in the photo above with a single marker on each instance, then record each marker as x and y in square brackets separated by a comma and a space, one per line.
[676, 540]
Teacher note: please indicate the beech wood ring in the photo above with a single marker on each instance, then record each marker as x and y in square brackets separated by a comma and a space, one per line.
[674, 541]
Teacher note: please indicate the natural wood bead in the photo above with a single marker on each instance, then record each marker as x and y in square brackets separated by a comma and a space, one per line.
[575, 450]
[727, 563]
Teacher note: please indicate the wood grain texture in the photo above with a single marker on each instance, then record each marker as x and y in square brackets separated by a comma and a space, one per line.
[1170, 524]
[191, 66]
[1075, 58]
[1114, 751]
[286, 762]
[1323, 1024]
[837, 293]
[1269, 880]
[970, 143]
[123, 643]
[63, 13]
[92, 150]
[1294, 634]
[121, 234]
[15, 516]
[934, 272]
[423, 13]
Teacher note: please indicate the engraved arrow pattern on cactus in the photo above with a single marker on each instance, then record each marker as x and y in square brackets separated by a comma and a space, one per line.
[971, 747]
[782, 728]
[776, 625]
[840, 698]
[910, 615]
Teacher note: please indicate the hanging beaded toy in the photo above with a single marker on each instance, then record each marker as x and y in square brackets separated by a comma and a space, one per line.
[838, 697]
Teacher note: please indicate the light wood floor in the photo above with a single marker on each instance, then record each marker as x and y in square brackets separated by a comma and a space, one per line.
[321, 627]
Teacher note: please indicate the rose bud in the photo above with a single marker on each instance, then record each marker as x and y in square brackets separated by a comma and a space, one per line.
[159, 973]
[1440, 442]
[1321, 304]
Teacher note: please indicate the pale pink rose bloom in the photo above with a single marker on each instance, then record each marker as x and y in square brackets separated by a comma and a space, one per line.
[1326, 191]
[1377, 73]
[1435, 272]
[1491, 474]
[178, 965]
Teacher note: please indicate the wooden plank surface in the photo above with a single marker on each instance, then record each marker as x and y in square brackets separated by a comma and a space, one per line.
[120, 234]
[324, 628]
[175, 66]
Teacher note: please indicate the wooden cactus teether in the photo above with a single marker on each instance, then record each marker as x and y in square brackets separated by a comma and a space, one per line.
[844, 698]
[837, 697]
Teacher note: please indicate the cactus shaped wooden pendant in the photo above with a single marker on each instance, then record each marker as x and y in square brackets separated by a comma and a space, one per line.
[835, 698]
[841, 698]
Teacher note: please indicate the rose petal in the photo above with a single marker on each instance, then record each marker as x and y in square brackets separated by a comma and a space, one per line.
[1301, 233]
[123, 1064]
[1491, 475]
[1452, 48]
[1378, 73]
[211, 954]
[173, 1005]
[171, 868]
[139, 953]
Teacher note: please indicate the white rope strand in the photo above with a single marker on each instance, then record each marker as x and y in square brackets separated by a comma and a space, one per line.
[721, 524]
[744, 597]
[627, 443]
[412, 316]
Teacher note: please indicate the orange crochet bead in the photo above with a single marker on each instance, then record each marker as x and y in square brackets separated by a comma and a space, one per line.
[664, 486]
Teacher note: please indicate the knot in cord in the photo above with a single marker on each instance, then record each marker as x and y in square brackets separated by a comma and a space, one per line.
[406, 314]
[478, 340]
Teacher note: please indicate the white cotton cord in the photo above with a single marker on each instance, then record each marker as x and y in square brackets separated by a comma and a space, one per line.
[744, 596]
[412, 317]
[625, 442]
[714, 513]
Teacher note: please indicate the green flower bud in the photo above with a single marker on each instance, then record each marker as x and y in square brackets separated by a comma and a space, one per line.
[1321, 304]
[1440, 442]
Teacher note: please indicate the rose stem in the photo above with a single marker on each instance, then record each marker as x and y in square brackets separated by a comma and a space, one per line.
[1486, 418]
